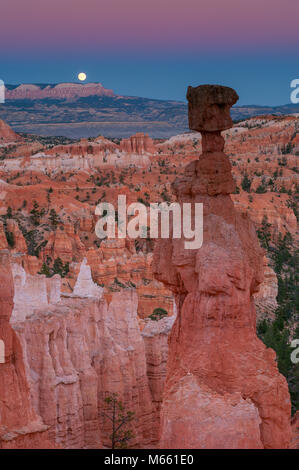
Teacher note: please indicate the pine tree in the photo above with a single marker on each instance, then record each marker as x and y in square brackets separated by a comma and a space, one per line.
[54, 217]
[9, 212]
[58, 267]
[45, 270]
[35, 214]
[264, 233]
[119, 419]
[246, 183]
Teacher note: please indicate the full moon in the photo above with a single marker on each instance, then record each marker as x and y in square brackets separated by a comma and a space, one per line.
[82, 76]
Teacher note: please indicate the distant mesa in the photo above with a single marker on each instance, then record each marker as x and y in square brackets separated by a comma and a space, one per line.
[59, 91]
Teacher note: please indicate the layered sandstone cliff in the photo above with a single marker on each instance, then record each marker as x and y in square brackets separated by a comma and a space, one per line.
[138, 144]
[20, 425]
[77, 349]
[266, 298]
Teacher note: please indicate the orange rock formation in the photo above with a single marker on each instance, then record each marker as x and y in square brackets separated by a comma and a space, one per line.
[223, 388]
[20, 426]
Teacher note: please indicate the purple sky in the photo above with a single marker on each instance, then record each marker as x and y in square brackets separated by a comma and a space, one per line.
[129, 45]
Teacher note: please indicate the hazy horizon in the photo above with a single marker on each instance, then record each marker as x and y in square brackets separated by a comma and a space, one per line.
[145, 97]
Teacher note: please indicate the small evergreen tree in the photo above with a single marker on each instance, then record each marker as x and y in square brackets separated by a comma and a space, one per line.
[264, 233]
[9, 212]
[58, 266]
[54, 217]
[279, 332]
[10, 239]
[45, 270]
[158, 313]
[66, 269]
[119, 419]
[35, 214]
[246, 183]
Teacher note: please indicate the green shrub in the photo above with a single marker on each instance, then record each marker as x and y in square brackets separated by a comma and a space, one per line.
[10, 239]
[246, 183]
[158, 313]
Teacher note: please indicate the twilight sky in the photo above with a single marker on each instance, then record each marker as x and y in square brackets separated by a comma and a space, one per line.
[154, 48]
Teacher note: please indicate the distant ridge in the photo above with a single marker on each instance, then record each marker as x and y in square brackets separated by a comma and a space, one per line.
[58, 91]
[40, 85]
[78, 110]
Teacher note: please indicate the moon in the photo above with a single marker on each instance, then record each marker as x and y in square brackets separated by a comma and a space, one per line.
[82, 76]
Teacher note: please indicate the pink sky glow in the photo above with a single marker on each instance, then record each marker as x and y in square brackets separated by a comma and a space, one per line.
[153, 24]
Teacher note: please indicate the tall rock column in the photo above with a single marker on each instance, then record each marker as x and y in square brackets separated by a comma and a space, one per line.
[223, 388]
[20, 426]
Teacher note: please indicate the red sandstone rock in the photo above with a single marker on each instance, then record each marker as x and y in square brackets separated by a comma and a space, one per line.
[260, 139]
[3, 239]
[82, 352]
[155, 335]
[76, 349]
[215, 357]
[154, 295]
[83, 157]
[138, 144]
[265, 299]
[7, 135]
[31, 264]
[64, 244]
[19, 243]
[209, 108]
[20, 426]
